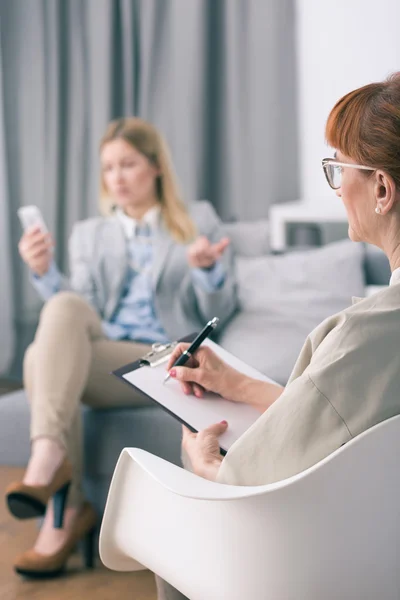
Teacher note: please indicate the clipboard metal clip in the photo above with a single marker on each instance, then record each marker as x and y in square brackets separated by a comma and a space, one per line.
[158, 354]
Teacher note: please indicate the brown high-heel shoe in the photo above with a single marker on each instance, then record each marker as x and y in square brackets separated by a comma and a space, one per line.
[29, 501]
[40, 566]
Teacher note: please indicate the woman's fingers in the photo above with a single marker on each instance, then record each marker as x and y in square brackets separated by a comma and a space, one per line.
[34, 236]
[192, 389]
[189, 439]
[198, 390]
[187, 374]
[220, 247]
[204, 254]
[28, 247]
[178, 350]
[37, 252]
[217, 429]
[187, 436]
[186, 388]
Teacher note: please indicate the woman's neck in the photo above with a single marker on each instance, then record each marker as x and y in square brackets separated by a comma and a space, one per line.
[394, 257]
[138, 212]
[388, 240]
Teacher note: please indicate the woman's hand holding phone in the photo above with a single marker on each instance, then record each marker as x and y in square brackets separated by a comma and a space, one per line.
[35, 248]
[36, 244]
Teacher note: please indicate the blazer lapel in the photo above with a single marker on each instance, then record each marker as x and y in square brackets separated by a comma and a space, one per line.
[162, 247]
[116, 263]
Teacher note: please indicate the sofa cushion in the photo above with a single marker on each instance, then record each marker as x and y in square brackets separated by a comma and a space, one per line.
[108, 431]
[283, 298]
[272, 347]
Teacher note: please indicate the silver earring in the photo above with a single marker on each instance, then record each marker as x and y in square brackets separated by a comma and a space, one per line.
[378, 210]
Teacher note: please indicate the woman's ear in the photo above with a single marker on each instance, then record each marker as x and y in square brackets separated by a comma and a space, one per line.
[384, 191]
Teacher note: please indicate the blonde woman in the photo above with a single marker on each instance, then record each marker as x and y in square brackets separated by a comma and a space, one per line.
[147, 272]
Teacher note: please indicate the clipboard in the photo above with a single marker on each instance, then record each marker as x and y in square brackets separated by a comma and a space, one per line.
[146, 376]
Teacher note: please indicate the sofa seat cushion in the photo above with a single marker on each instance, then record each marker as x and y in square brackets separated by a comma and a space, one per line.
[14, 429]
[273, 346]
[107, 432]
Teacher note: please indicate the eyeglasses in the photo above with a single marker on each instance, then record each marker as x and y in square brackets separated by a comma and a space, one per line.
[333, 171]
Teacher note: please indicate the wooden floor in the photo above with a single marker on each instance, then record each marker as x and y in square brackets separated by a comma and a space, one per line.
[76, 584]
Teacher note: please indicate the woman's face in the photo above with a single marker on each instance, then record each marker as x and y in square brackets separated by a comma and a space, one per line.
[357, 194]
[128, 175]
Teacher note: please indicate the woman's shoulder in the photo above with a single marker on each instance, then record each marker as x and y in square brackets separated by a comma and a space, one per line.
[365, 324]
[93, 225]
[203, 213]
[205, 218]
[363, 321]
[383, 305]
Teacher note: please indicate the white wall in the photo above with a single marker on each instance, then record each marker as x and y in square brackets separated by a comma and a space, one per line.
[341, 45]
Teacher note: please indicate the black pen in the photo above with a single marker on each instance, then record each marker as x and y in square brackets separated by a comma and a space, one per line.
[184, 357]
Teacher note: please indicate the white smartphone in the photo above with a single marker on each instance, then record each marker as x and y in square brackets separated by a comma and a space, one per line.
[30, 216]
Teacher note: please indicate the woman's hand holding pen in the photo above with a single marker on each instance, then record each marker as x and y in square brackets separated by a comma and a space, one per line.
[203, 254]
[206, 371]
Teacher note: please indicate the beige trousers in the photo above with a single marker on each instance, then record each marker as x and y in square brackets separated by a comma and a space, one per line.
[70, 362]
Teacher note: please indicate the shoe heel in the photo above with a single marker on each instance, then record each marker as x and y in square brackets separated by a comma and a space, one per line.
[88, 545]
[59, 502]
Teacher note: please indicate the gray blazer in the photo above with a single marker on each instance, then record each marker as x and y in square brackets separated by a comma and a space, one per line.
[98, 264]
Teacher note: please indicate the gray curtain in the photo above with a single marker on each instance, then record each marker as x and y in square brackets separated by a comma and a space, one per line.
[6, 293]
[216, 76]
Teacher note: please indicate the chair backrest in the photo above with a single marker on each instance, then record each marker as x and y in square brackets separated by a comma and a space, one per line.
[330, 532]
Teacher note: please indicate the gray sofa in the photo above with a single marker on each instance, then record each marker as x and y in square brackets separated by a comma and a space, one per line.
[282, 298]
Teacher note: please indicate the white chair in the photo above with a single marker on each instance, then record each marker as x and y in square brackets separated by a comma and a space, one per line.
[329, 533]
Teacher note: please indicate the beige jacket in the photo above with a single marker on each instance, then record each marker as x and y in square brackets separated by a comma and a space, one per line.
[346, 379]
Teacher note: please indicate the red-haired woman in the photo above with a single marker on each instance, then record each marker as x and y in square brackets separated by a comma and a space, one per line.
[347, 377]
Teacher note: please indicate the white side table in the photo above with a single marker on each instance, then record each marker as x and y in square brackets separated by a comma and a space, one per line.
[315, 212]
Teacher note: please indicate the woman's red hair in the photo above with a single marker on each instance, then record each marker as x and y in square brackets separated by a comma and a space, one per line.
[365, 126]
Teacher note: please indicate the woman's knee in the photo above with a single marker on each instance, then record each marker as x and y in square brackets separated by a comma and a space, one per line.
[64, 305]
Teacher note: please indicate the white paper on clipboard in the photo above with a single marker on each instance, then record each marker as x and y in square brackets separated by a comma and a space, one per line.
[199, 413]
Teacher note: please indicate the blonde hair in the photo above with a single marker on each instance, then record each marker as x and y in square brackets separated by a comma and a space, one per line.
[145, 138]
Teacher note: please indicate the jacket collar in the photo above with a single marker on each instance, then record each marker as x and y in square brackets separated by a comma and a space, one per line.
[129, 225]
[395, 278]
